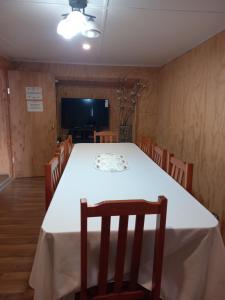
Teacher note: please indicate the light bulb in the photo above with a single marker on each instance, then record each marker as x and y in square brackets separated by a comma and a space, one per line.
[72, 25]
[91, 30]
[86, 46]
[64, 29]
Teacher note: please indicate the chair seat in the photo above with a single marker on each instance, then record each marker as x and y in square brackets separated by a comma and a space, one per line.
[93, 291]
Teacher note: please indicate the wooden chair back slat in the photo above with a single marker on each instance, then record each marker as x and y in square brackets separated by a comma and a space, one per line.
[52, 177]
[69, 146]
[120, 254]
[158, 251]
[136, 251]
[145, 144]
[181, 171]
[104, 255]
[176, 172]
[61, 153]
[123, 208]
[159, 156]
[106, 136]
[83, 249]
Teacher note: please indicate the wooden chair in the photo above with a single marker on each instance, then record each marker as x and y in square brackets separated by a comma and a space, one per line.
[120, 289]
[62, 155]
[159, 156]
[106, 136]
[52, 177]
[145, 144]
[181, 171]
[69, 146]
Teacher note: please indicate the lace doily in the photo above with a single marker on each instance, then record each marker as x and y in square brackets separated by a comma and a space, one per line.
[111, 162]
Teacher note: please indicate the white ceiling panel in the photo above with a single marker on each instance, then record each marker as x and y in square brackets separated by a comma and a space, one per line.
[194, 5]
[149, 4]
[155, 36]
[190, 5]
[18, 2]
[143, 32]
[96, 3]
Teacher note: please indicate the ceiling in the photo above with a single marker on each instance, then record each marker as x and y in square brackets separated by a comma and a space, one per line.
[140, 32]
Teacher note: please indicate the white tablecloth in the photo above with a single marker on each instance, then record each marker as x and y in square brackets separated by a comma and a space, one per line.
[194, 262]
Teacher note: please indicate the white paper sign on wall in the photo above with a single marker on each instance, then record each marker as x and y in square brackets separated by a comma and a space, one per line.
[34, 106]
[34, 93]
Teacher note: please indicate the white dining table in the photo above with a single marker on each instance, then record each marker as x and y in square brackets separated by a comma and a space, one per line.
[194, 255]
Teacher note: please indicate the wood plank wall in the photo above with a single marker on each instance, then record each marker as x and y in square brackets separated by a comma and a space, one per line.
[146, 107]
[5, 156]
[191, 121]
[33, 133]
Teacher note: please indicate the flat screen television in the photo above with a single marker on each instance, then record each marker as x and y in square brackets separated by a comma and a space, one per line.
[82, 112]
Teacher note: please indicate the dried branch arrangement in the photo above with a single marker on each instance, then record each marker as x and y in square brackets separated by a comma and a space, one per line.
[128, 98]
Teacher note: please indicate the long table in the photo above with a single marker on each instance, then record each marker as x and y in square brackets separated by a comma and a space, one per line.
[194, 260]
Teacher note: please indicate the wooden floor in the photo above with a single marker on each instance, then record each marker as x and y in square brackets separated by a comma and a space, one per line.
[21, 214]
[3, 177]
[4, 180]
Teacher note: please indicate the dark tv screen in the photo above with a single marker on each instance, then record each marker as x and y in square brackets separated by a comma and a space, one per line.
[77, 112]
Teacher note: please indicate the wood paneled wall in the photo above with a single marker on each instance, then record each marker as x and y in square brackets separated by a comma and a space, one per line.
[146, 109]
[5, 64]
[33, 133]
[191, 121]
[87, 72]
[5, 156]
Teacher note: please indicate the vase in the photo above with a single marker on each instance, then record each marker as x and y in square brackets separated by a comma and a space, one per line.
[125, 133]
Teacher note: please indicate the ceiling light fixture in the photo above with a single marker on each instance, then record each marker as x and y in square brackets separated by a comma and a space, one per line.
[78, 22]
[72, 25]
[91, 30]
[86, 46]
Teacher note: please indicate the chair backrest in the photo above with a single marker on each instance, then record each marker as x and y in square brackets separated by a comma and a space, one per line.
[159, 156]
[52, 177]
[123, 209]
[106, 136]
[62, 155]
[181, 171]
[145, 144]
[69, 146]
